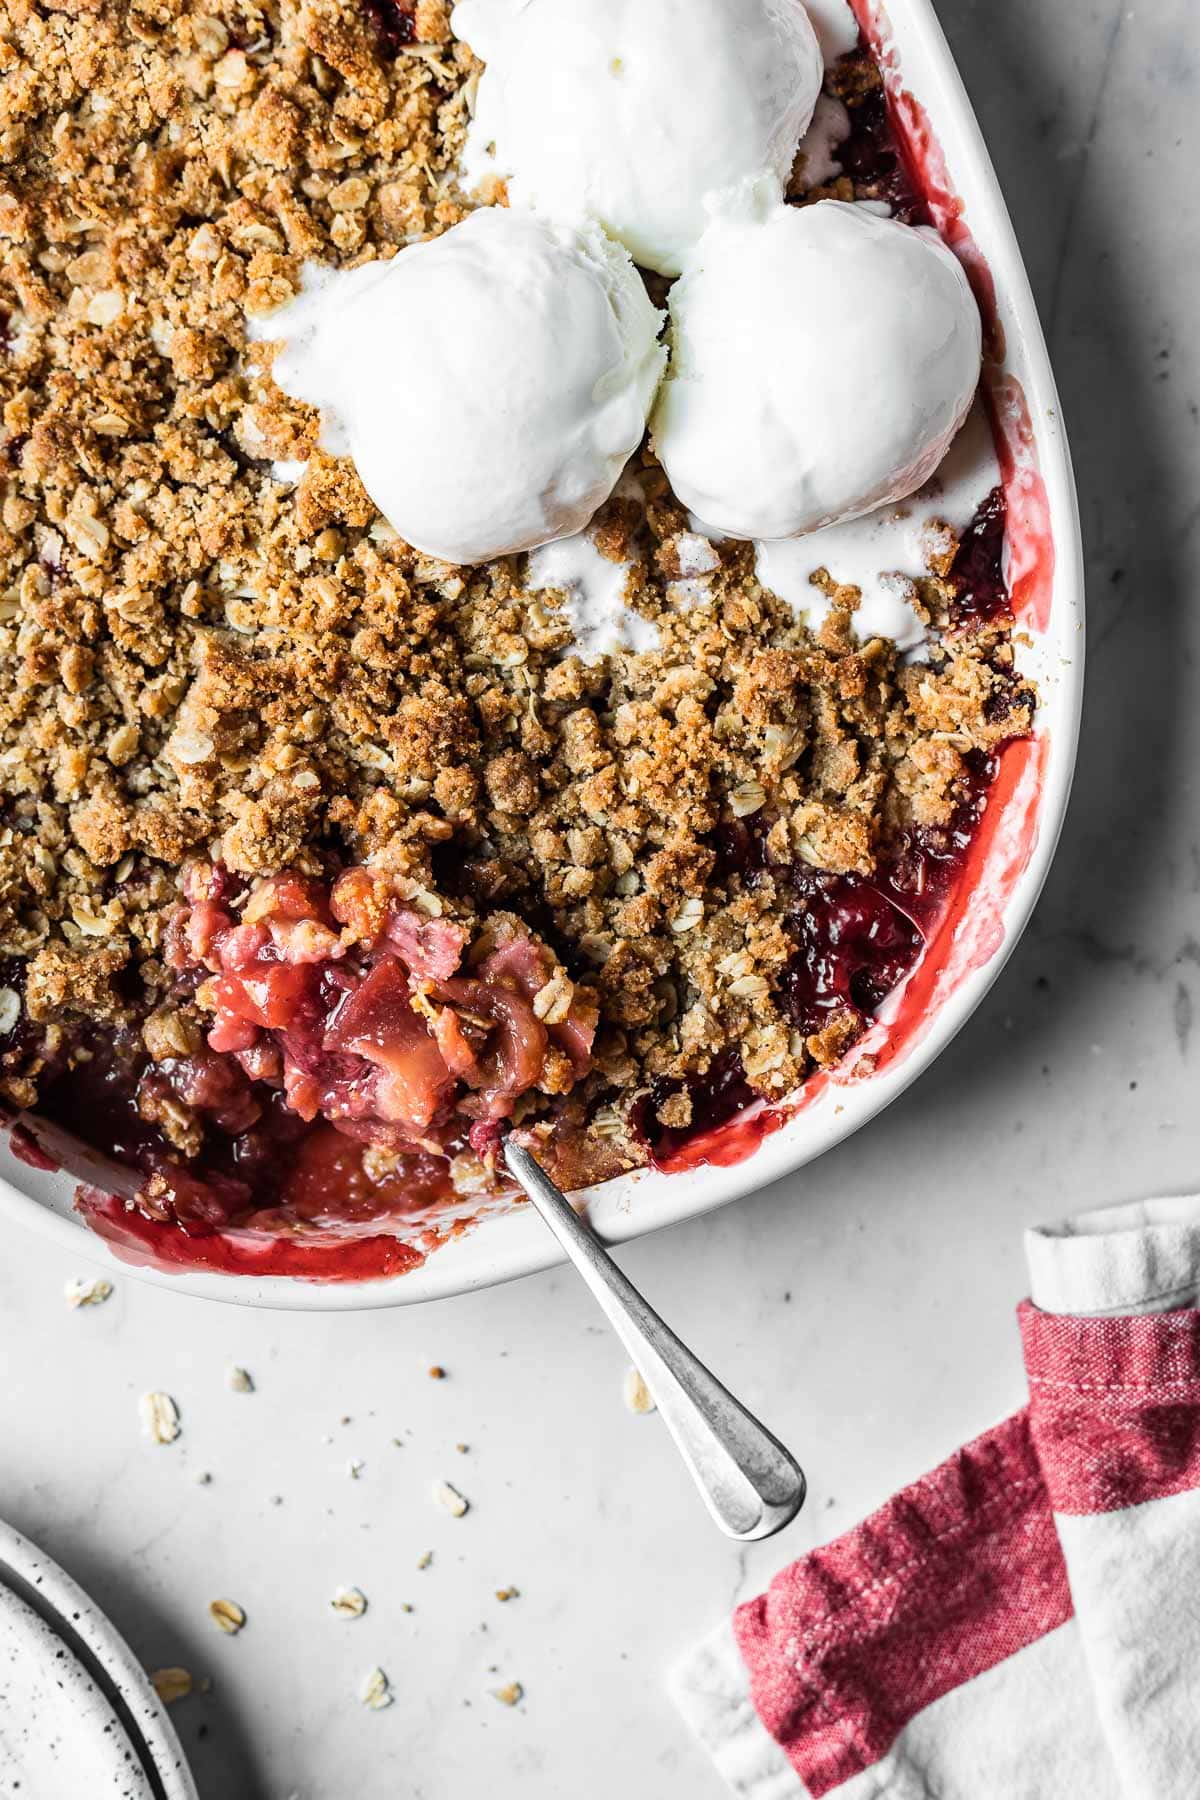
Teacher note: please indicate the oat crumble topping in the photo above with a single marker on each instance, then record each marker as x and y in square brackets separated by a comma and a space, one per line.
[220, 655]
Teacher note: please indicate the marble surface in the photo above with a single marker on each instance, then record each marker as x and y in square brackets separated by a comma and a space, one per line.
[864, 1306]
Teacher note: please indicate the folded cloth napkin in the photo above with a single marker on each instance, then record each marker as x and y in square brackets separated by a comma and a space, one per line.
[1024, 1622]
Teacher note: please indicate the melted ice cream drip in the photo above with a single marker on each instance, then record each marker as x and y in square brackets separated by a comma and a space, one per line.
[601, 622]
[882, 553]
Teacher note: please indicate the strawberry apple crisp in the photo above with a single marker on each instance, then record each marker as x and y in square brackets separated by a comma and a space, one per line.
[324, 862]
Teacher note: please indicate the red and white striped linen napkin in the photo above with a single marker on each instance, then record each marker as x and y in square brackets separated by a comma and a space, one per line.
[1024, 1622]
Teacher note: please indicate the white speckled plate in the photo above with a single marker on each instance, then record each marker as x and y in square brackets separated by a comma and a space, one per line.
[77, 1713]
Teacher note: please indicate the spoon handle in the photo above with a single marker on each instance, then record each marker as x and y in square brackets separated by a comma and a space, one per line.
[751, 1485]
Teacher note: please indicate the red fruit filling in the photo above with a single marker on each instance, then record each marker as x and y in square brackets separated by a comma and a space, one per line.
[347, 1029]
[363, 1012]
[395, 25]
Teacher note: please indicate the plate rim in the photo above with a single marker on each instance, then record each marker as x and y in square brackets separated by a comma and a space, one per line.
[100, 1650]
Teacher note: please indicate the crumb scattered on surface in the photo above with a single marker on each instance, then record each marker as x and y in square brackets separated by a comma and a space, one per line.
[160, 1417]
[376, 1691]
[510, 1694]
[172, 1684]
[239, 1381]
[451, 1499]
[84, 1290]
[349, 1603]
[228, 1615]
[637, 1395]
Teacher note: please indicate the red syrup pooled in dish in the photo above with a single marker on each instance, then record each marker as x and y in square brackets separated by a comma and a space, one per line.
[857, 937]
[872, 157]
[978, 573]
[396, 25]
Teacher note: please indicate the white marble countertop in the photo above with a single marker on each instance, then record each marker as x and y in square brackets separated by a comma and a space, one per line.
[865, 1306]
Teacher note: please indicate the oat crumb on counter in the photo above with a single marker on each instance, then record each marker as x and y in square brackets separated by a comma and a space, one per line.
[227, 1615]
[349, 1603]
[376, 1692]
[637, 1395]
[160, 1417]
[87, 1291]
[449, 1497]
[172, 1685]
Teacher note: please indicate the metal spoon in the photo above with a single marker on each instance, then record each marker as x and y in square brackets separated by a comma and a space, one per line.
[751, 1485]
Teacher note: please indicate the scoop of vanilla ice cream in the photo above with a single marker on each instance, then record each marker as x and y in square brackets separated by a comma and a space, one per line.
[822, 360]
[632, 111]
[490, 384]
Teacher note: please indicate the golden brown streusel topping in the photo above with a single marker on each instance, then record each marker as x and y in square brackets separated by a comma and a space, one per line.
[210, 659]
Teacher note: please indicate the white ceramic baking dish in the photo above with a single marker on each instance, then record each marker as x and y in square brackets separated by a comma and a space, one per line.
[1019, 830]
